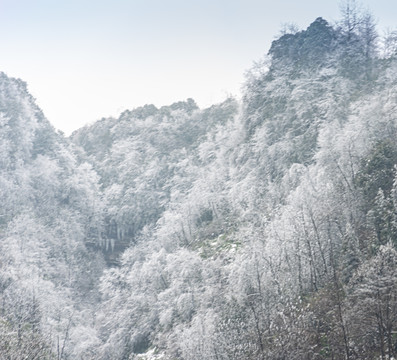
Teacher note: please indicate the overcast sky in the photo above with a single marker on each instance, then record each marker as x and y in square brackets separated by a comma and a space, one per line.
[84, 59]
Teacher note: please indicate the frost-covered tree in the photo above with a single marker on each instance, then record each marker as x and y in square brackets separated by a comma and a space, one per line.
[373, 306]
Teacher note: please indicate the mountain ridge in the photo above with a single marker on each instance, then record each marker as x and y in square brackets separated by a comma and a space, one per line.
[256, 229]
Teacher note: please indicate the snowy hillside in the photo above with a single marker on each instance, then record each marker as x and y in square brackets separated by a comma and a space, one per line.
[260, 228]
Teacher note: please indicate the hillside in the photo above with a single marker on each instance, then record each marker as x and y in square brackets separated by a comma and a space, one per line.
[50, 228]
[260, 228]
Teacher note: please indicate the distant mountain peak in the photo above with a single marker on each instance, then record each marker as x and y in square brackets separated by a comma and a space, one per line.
[305, 48]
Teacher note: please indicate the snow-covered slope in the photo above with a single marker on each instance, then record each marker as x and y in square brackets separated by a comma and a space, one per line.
[256, 229]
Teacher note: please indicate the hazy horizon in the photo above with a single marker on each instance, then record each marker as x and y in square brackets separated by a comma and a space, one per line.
[85, 61]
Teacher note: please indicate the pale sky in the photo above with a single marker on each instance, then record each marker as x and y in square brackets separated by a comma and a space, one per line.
[84, 59]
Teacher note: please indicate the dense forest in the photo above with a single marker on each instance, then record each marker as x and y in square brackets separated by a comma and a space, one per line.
[258, 228]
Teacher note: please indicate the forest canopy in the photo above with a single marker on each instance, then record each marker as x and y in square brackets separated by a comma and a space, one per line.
[258, 228]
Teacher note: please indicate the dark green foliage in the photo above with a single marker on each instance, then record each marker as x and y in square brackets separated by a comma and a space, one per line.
[307, 49]
[383, 217]
[372, 306]
[376, 179]
[206, 216]
[377, 170]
